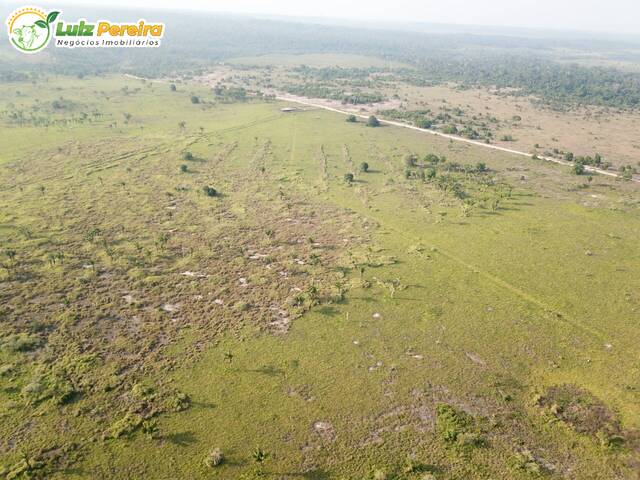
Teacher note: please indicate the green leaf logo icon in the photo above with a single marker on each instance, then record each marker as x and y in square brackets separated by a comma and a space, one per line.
[52, 16]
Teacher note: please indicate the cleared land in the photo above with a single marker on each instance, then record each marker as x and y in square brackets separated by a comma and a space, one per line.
[477, 323]
[501, 117]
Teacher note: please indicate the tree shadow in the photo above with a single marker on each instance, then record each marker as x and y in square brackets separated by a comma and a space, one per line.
[328, 311]
[207, 405]
[268, 370]
[182, 439]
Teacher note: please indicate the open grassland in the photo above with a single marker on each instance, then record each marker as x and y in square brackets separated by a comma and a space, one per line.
[468, 317]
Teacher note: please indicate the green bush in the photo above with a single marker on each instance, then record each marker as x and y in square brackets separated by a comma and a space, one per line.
[209, 191]
[578, 168]
[373, 121]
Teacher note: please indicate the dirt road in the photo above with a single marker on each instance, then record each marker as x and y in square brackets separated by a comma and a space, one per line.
[302, 101]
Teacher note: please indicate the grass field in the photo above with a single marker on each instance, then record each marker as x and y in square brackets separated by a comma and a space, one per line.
[479, 324]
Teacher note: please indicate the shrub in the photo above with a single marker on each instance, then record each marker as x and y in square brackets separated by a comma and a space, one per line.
[178, 402]
[184, 168]
[348, 177]
[187, 156]
[431, 158]
[214, 458]
[209, 191]
[259, 455]
[150, 428]
[373, 121]
[451, 423]
[172, 87]
[351, 119]
[195, 99]
[578, 168]
[364, 167]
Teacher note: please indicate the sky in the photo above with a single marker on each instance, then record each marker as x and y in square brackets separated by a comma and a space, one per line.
[617, 16]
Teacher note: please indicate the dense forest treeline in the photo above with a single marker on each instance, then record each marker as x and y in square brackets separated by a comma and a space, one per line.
[193, 41]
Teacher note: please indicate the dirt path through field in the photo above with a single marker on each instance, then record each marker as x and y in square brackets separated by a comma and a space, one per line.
[303, 101]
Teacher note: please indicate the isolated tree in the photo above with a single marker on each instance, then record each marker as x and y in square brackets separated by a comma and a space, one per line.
[194, 99]
[568, 157]
[373, 121]
[348, 177]
[172, 87]
[351, 119]
[578, 168]
[364, 167]
[187, 156]
[209, 191]
[184, 168]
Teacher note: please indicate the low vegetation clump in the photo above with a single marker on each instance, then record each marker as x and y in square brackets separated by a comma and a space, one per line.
[456, 427]
[583, 412]
[214, 458]
[373, 121]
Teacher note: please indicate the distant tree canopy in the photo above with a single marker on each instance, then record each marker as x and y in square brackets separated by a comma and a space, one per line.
[524, 66]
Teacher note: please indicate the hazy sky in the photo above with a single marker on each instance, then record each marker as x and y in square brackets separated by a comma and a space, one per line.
[601, 15]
